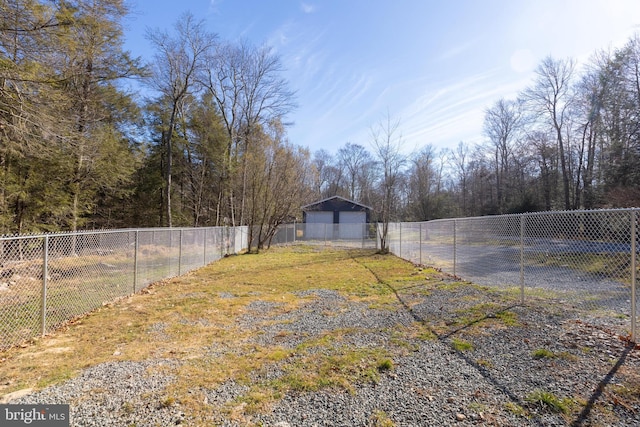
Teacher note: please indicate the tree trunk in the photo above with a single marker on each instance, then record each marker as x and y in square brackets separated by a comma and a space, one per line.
[168, 137]
[563, 166]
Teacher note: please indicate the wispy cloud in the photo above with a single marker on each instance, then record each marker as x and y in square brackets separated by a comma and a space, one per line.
[442, 112]
[307, 8]
[455, 51]
[449, 112]
[214, 7]
[306, 56]
[281, 35]
[345, 95]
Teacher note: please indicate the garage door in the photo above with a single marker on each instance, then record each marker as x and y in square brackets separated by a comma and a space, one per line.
[319, 225]
[322, 217]
[352, 225]
[353, 217]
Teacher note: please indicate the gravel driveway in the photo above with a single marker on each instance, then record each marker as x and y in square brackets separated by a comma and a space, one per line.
[496, 378]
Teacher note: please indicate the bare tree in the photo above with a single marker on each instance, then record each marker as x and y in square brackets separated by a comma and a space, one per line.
[502, 124]
[387, 147]
[551, 98]
[620, 126]
[247, 85]
[460, 159]
[480, 183]
[423, 183]
[322, 164]
[590, 92]
[277, 184]
[178, 61]
[354, 159]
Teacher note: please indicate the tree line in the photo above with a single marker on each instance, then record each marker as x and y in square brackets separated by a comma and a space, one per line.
[208, 145]
[569, 140]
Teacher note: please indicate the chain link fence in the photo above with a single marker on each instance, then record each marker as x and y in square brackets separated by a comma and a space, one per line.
[586, 260]
[47, 280]
[338, 235]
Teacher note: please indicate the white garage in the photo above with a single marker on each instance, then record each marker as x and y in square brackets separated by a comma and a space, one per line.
[336, 218]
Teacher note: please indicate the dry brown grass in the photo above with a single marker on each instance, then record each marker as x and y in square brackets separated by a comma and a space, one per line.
[192, 319]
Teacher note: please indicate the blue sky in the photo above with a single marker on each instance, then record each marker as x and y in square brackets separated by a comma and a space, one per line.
[433, 65]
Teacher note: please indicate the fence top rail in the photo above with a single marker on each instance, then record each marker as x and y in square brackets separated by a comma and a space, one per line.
[542, 213]
[6, 237]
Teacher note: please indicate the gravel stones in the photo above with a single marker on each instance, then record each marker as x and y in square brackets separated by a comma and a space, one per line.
[116, 394]
[429, 384]
[326, 311]
[428, 387]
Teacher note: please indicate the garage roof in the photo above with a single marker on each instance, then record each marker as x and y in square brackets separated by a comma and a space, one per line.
[307, 207]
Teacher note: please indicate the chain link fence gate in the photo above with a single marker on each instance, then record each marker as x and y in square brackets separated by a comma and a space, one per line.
[47, 280]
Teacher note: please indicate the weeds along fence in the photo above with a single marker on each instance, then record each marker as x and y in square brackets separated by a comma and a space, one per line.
[583, 260]
[47, 280]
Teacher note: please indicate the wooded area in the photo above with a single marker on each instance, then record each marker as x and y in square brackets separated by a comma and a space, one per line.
[209, 146]
[571, 140]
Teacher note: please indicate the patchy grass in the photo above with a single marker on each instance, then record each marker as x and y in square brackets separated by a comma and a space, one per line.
[508, 318]
[487, 364]
[549, 400]
[197, 320]
[625, 393]
[338, 367]
[461, 345]
[385, 365]
[477, 313]
[605, 265]
[515, 409]
[380, 419]
[543, 353]
[193, 319]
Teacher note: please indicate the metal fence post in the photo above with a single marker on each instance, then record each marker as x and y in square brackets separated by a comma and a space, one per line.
[400, 239]
[204, 247]
[522, 231]
[227, 246]
[634, 240]
[135, 263]
[325, 234]
[454, 247]
[180, 255]
[420, 241]
[45, 273]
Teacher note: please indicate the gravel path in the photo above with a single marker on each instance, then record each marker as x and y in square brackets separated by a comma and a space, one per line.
[432, 383]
